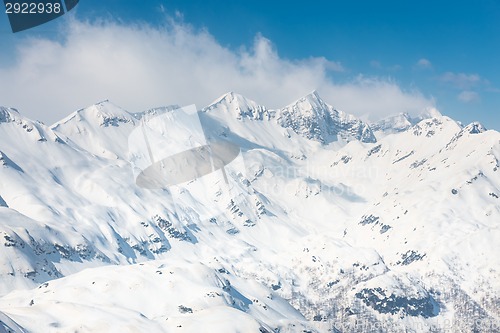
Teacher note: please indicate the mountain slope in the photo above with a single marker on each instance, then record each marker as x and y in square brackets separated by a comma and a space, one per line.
[101, 129]
[321, 227]
[152, 297]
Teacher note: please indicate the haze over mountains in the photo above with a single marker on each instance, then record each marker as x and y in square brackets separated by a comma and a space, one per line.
[332, 224]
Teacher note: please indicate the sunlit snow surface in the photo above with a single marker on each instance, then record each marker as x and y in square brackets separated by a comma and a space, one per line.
[328, 230]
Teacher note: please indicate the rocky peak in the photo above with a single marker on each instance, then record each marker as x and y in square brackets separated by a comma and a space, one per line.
[312, 118]
[8, 115]
[475, 128]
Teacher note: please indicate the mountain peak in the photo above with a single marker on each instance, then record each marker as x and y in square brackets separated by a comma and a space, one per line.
[403, 121]
[104, 113]
[475, 128]
[101, 129]
[233, 98]
[240, 106]
[230, 95]
[314, 97]
[34, 129]
[312, 118]
[312, 102]
[8, 115]
[394, 124]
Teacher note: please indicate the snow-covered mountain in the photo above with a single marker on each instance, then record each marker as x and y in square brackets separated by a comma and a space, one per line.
[396, 123]
[314, 119]
[401, 122]
[337, 225]
[309, 117]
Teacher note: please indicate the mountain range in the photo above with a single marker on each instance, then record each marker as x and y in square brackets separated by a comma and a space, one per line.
[332, 224]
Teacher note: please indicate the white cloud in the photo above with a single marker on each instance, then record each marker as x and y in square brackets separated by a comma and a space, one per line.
[468, 96]
[461, 80]
[424, 64]
[334, 66]
[138, 67]
[373, 97]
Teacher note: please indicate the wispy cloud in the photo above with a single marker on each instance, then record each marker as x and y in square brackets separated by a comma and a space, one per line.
[461, 80]
[139, 66]
[468, 96]
[423, 64]
[334, 66]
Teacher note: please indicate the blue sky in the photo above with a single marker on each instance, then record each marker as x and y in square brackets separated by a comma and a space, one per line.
[441, 53]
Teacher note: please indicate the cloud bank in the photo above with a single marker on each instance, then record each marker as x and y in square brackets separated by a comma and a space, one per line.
[139, 67]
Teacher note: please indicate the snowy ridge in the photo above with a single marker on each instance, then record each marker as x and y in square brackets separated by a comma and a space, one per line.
[7, 325]
[309, 117]
[7, 114]
[101, 129]
[314, 119]
[240, 107]
[335, 230]
[475, 128]
[402, 122]
[394, 124]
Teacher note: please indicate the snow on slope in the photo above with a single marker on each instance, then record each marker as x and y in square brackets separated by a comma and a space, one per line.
[359, 235]
[401, 122]
[393, 124]
[7, 325]
[157, 296]
[101, 129]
